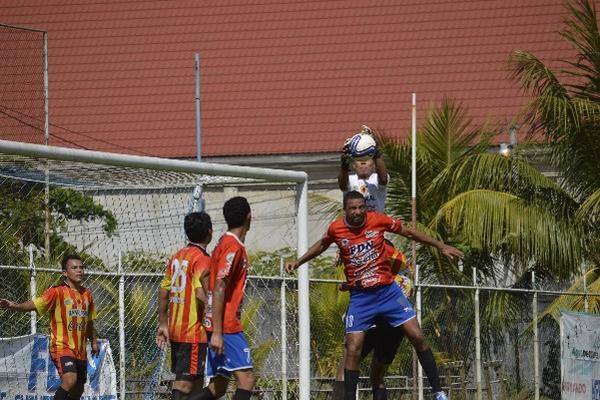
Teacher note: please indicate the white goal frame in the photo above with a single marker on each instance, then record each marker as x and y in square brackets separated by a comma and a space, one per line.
[300, 178]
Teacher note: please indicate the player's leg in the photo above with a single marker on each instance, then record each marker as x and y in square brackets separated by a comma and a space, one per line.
[245, 384]
[368, 345]
[386, 342]
[187, 367]
[77, 391]
[354, 343]
[219, 378]
[413, 332]
[67, 370]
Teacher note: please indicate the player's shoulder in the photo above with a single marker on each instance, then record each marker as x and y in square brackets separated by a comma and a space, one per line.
[229, 241]
[337, 224]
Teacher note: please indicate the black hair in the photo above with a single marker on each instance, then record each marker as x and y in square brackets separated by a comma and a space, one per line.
[235, 211]
[197, 226]
[351, 195]
[66, 259]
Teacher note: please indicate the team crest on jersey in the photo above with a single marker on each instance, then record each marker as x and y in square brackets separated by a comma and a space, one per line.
[371, 234]
[68, 302]
[345, 242]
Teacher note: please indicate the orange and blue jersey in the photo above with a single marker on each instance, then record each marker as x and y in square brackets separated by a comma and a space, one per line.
[182, 278]
[229, 261]
[70, 311]
[363, 250]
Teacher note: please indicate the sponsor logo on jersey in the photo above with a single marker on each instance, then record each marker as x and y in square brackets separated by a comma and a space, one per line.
[361, 248]
[68, 302]
[76, 312]
[345, 242]
[371, 234]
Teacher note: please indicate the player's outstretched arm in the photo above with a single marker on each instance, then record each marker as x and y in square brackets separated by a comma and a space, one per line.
[315, 250]
[162, 334]
[380, 168]
[447, 250]
[11, 305]
[218, 308]
[345, 160]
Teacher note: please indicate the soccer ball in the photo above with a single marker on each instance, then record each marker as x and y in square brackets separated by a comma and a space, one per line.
[362, 145]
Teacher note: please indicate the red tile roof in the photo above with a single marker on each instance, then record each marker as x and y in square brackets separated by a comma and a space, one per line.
[291, 76]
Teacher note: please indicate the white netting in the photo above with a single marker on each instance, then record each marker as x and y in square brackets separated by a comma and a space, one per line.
[126, 222]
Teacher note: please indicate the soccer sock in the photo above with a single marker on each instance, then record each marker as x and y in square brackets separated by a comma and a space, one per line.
[338, 390]
[178, 395]
[380, 394]
[428, 363]
[204, 394]
[61, 394]
[242, 394]
[350, 384]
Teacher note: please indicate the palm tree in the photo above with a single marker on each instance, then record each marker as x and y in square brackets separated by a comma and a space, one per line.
[565, 111]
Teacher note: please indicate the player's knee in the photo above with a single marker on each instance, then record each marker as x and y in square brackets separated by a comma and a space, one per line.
[183, 386]
[418, 342]
[246, 380]
[353, 347]
[68, 381]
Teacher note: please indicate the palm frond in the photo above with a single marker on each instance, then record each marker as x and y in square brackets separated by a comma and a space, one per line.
[324, 205]
[582, 32]
[589, 210]
[495, 221]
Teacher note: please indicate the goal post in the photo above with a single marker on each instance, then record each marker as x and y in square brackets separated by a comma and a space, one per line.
[298, 179]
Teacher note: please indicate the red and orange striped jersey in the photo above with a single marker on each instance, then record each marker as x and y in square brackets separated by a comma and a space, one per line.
[181, 280]
[70, 311]
[363, 249]
[229, 261]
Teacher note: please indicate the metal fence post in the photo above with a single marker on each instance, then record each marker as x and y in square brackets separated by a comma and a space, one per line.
[122, 383]
[419, 306]
[585, 291]
[283, 333]
[477, 338]
[32, 289]
[536, 355]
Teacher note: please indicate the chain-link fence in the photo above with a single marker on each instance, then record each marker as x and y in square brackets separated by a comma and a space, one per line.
[125, 222]
[23, 84]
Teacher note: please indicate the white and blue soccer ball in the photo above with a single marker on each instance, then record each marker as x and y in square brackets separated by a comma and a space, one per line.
[362, 145]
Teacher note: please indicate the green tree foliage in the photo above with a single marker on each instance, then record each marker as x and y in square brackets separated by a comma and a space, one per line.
[23, 218]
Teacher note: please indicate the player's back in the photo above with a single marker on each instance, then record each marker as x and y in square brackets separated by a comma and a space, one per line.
[181, 280]
[229, 261]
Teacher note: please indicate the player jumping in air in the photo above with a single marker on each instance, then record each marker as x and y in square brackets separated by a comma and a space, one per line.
[229, 352]
[181, 301]
[72, 313]
[359, 236]
[370, 178]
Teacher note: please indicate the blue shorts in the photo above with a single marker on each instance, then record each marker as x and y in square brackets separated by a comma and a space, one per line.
[388, 302]
[236, 356]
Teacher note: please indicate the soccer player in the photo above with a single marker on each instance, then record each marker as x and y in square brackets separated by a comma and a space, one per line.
[72, 313]
[229, 352]
[359, 236]
[370, 178]
[181, 300]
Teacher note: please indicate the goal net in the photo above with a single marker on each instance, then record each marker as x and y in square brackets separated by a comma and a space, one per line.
[126, 221]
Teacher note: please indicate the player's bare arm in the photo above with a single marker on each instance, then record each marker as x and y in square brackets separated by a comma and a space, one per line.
[345, 160]
[162, 334]
[218, 307]
[380, 169]
[315, 250]
[204, 280]
[447, 250]
[91, 335]
[11, 305]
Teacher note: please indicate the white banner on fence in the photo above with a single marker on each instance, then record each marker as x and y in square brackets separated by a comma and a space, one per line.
[580, 356]
[27, 372]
